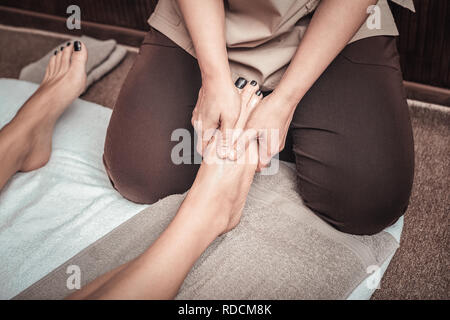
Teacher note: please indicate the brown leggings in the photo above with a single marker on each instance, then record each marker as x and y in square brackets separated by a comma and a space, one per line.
[350, 137]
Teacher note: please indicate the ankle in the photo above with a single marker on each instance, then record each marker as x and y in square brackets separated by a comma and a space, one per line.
[212, 209]
[18, 141]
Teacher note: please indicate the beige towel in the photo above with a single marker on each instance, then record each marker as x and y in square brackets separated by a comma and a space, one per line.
[103, 57]
[280, 250]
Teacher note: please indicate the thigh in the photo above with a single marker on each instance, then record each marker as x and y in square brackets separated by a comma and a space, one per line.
[157, 98]
[353, 142]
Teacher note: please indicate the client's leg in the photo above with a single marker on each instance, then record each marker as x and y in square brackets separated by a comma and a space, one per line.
[26, 142]
[212, 207]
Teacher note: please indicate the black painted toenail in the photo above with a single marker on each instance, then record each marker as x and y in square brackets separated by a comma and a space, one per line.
[240, 83]
[56, 52]
[68, 43]
[254, 83]
[62, 48]
[259, 93]
[77, 45]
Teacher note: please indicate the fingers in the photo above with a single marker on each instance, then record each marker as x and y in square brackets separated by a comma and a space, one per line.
[207, 136]
[242, 143]
[266, 149]
[198, 131]
[210, 153]
[269, 145]
[226, 139]
[228, 123]
[205, 131]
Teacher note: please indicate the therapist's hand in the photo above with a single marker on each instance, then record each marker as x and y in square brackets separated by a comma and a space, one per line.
[268, 124]
[218, 107]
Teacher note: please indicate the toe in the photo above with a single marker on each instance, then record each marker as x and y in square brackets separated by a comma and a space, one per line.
[255, 98]
[210, 154]
[77, 68]
[52, 65]
[79, 55]
[248, 92]
[65, 59]
[251, 96]
[47, 72]
[58, 61]
[241, 83]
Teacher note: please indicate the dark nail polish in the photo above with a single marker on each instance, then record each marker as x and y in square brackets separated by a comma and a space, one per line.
[56, 52]
[240, 83]
[254, 83]
[68, 43]
[77, 45]
[259, 93]
[62, 48]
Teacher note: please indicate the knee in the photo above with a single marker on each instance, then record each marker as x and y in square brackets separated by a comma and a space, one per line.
[369, 217]
[361, 204]
[147, 182]
[372, 202]
[127, 186]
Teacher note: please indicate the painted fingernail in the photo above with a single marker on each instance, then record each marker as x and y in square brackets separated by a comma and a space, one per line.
[240, 83]
[77, 45]
[259, 93]
[56, 52]
[68, 43]
[254, 83]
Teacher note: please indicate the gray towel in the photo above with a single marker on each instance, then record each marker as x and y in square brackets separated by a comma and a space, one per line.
[103, 57]
[280, 250]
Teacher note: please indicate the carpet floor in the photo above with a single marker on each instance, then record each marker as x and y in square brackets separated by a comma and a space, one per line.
[421, 267]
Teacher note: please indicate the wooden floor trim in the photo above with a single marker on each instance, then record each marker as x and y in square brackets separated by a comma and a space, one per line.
[34, 20]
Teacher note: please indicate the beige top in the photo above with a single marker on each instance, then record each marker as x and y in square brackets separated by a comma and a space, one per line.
[263, 35]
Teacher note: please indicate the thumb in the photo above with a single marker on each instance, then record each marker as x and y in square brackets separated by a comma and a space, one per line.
[242, 143]
[226, 137]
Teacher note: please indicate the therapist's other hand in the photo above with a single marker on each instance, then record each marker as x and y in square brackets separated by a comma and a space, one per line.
[268, 124]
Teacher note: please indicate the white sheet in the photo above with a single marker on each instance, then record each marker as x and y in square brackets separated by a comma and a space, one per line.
[49, 215]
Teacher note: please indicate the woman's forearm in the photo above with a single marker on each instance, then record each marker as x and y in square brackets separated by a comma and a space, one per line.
[333, 25]
[205, 21]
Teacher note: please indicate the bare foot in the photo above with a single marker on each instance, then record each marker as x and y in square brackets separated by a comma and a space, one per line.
[225, 182]
[64, 81]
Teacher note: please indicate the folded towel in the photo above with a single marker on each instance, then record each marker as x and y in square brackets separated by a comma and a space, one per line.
[280, 250]
[103, 57]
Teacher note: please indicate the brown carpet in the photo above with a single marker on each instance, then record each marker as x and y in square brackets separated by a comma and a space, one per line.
[421, 267]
